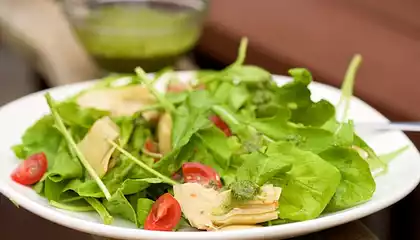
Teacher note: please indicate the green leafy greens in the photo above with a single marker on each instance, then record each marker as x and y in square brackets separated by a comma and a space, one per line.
[280, 136]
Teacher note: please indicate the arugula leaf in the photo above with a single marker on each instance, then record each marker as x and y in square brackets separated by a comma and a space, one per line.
[100, 209]
[126, 126]
[119, 205]
[249, 136]
[301, 75]
[229, 176]
[61, 127]
[190, 117]
[238, 97]
[311, 139]
[237, 72]
[217, 143]
[131, 186]
[259, 168]
[39, 187]
[275, 127]
[307, 187]
[72, 114]
[386, 158]
[173, 161]
[357, 184]
[134, 197]
[307, 138]
[315, 114]
[343, 132]
[115, 179]
[293, 95]
[246, 74]
[75, 206]
[40, 137]
[143, 208]
[52, 190]
[376, 165]
[64, 166]
[138, 138]
[222, 92]
[144, 165]
[138, 172]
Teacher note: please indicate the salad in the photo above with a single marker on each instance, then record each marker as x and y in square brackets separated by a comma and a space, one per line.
[228, 150]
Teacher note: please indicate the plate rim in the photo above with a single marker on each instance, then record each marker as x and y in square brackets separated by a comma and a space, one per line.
[287, 230]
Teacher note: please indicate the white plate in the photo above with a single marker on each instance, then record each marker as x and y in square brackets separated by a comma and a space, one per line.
[402, 178]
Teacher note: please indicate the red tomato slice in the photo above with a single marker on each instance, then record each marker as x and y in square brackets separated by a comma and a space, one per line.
[221, 125]
[152, 147]
[199, 173]
[164, 215]
[31, 170]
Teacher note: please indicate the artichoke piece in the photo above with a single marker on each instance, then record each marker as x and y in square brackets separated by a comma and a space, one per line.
[164, 133]
[209, 209]
[122, 101]
[95, 145]
[197, 203]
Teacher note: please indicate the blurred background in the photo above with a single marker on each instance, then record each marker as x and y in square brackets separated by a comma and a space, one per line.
[46, 43]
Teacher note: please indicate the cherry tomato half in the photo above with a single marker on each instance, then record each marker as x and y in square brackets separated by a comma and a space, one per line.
[152, 147]
[199, 173]
[31, 170]
[221, 125]
[164, 215]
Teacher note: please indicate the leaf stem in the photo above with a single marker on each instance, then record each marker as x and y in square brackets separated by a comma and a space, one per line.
[150, 108]
[100, 209]
[72, 145]
[70, 207]
[241, 52]
[149, 84]
[143, 165]
[348, 84]
[233, 122]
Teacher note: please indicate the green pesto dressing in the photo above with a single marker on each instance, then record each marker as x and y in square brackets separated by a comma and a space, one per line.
[125, 35]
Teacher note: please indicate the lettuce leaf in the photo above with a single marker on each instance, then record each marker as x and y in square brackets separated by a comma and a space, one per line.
[308, 187]
[259, 168]
[357, 184]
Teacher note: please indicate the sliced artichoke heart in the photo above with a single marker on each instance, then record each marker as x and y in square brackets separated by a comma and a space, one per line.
[164, 133]
[208, 209]
[197, 203]
[268, 194]
[95, 145]
[262, 209]
[244, 218]
[122, 101]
